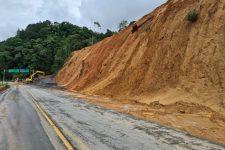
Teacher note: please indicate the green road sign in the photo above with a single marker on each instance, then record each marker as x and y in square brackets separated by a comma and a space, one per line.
[24, 70]
[13, 70]
[18, 70]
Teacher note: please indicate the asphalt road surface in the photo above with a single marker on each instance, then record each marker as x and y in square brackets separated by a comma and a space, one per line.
[20, 127]
[85, 125]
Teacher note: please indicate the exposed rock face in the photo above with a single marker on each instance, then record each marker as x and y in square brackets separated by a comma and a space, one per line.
[167, 58]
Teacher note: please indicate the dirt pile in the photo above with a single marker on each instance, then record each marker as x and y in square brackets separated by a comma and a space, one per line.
[167, 59]
[167, 69]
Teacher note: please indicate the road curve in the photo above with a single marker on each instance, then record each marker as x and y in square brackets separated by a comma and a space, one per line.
[20, 127]
[88, 126]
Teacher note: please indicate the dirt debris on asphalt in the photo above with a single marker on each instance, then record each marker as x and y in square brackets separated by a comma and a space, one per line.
[100, 128]
[170, 70]
[193, 118]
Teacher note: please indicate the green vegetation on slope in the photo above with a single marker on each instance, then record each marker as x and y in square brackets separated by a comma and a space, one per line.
[46, 45]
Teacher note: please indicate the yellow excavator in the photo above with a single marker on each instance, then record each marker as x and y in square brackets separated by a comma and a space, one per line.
[34, 75]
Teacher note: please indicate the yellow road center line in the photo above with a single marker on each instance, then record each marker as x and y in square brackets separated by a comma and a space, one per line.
[58, 132]
[74, 138]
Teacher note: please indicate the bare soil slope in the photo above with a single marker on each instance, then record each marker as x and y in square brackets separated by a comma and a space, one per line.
[168, 60]
[167, 55]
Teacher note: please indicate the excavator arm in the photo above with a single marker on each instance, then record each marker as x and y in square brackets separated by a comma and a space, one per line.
[31, 78]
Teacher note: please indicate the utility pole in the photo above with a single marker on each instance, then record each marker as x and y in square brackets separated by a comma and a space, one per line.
[3, 77]
[92, 37]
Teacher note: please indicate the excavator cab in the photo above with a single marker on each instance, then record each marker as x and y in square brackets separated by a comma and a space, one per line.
[34, 75]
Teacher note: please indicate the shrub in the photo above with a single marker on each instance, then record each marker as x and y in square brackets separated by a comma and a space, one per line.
[192, 16]
[134, 28]
[131, 23]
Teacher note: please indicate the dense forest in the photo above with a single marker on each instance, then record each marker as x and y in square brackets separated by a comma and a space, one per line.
[45, 45]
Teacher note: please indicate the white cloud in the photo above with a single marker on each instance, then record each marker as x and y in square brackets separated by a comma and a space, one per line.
[16, 14]
[59, 10]
[111, 12]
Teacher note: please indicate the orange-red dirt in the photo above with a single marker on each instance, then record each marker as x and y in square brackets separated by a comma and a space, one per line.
[172, 70]
[2, 89]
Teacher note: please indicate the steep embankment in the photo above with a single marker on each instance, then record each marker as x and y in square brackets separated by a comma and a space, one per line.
[170, 70]
[166, 55]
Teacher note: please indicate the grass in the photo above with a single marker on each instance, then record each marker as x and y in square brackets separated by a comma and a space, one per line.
[192, 16]
[4, 85]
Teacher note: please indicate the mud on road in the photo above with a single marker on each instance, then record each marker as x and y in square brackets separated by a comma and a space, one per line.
[88, 126]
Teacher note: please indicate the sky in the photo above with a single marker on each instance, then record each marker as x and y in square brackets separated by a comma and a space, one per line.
[17, 14]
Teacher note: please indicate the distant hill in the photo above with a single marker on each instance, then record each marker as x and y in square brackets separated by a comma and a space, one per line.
[45, 45]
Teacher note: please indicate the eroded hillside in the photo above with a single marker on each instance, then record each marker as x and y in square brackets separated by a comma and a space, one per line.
[168, 59]
[167, 52]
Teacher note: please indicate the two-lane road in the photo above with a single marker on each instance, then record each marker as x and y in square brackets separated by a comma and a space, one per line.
[20, 127]
[85, 125]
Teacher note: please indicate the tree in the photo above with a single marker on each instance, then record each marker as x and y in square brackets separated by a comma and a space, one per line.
[46, 46]
[97, 24]
[109, 33]
[122, 25]
[5, 60]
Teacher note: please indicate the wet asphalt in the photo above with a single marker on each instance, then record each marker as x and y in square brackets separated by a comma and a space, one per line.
[20, 127]
[88, 126]
[85, 125]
